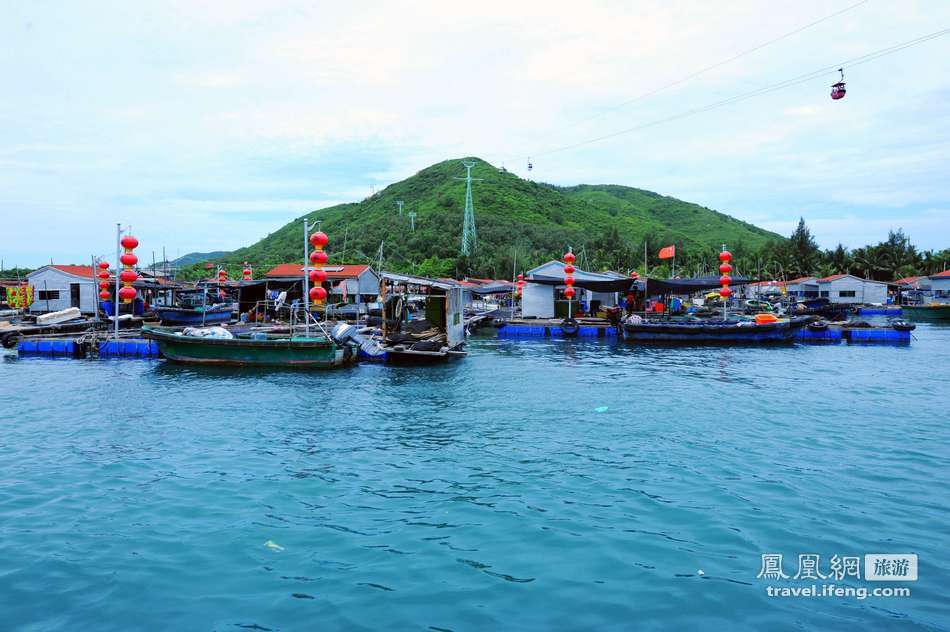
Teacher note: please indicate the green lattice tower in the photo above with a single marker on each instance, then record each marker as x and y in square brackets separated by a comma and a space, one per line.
[469, 236]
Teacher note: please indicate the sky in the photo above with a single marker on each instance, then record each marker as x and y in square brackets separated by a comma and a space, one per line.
[207, 125]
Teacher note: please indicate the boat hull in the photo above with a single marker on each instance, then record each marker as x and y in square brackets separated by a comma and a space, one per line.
[782, 331]
[927, 313]
[311, 353]
[179, 316]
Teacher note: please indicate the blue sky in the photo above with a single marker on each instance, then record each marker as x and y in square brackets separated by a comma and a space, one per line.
[207, 125]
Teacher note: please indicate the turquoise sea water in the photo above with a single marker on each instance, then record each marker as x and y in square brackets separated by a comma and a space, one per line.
[485, 494]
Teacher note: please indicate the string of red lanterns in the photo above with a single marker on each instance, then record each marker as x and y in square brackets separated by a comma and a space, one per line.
[520, 284]
[569, 260]
[725, 268]
[104, 284]
[318, 258]
[128, 275]
[246, 272]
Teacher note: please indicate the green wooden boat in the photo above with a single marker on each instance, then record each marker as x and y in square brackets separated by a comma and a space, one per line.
[252, 349]
[934, 312]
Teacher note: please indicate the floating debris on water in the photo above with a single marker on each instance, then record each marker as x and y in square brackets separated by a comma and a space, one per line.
[273, 546]
[601, 409]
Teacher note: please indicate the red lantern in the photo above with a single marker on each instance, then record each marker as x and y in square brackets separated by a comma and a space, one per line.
[319, 239]
[568, 269]
[128, 259]
[569, 292]
[725, 268]
[105, 285]
[569, 257]
[724, 280]
[104, 295]
[103, 265]
[318, 257]
[317, 294]
[569, 281]
[318, 275]
[521, 277]
[103, 275]
[127, 293]
[129, 242]
[128, 276]
[725, 292]
[725, 255]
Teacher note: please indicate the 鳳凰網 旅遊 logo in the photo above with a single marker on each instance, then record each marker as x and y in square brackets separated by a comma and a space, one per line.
[871, 567]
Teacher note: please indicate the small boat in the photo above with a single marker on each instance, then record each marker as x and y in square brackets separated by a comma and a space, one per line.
[253, 348]
[822, 307]
[211, 315]
[931, 312]
[715, 330]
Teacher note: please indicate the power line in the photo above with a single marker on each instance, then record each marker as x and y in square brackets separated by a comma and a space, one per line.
[703, 71]
[856, 61]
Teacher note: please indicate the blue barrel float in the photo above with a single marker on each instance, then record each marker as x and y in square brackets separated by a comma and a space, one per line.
[48, 348]
[128, 349]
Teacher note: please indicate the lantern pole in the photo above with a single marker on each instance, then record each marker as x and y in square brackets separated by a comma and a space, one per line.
[306, 278]
[115, 299]
[95, 290]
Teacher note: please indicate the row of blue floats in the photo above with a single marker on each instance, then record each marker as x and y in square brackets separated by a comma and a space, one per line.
[66, 348]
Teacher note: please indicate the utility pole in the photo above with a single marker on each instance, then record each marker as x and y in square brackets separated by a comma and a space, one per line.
[412, 221]
[469, 236]
[399, 203]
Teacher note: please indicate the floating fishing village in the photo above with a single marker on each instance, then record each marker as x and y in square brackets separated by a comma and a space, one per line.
[316, 314]
[474, 317]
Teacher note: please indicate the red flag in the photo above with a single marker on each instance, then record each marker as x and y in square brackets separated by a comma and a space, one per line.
[667, 253]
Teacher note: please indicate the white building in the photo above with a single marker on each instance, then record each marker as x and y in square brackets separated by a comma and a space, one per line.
[940, 286]
[57, 287]
[543, 297]
[847, 288]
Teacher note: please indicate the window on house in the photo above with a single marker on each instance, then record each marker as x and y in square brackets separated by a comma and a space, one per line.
[824, 293]
[846, 294]
[47, 295]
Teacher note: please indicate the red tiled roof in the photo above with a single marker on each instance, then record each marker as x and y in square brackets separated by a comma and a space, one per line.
[83, 271]
[908, 280]
[833, 277]
[344, 271]
[942, 275]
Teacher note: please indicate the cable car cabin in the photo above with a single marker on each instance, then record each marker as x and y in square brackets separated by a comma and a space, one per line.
[433, 334]
[837, 89]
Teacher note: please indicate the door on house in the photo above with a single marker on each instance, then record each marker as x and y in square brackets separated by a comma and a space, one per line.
[74, 295]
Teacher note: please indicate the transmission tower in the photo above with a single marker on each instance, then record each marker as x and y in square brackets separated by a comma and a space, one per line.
[412, 221]
[399, 203]
[469, 236]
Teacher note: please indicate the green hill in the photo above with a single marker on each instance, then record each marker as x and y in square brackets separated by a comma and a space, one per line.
[607, 225]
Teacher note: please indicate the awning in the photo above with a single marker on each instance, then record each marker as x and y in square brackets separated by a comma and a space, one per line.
[598, 283]
[688, 286]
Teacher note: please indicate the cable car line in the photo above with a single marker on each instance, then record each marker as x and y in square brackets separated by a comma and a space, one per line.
[856, 61]
[702, 71]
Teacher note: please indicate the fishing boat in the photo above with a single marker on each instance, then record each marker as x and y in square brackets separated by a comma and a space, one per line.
[253, 348]
[936, 312]
[700, 331]
[192, 308]
[210, 315]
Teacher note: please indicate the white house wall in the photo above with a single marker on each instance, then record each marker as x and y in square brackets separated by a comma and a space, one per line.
[537, 300]
[864, 291]
[53, 279]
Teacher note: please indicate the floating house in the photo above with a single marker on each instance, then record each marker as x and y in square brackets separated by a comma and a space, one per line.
[847, 288]
[57, 287]
[543, 293]
[940, 287]
[351, 284]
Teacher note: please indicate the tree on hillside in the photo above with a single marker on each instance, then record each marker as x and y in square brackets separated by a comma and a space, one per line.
[803, 250]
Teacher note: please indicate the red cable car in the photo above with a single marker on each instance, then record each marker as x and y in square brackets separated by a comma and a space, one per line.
[837, 89]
